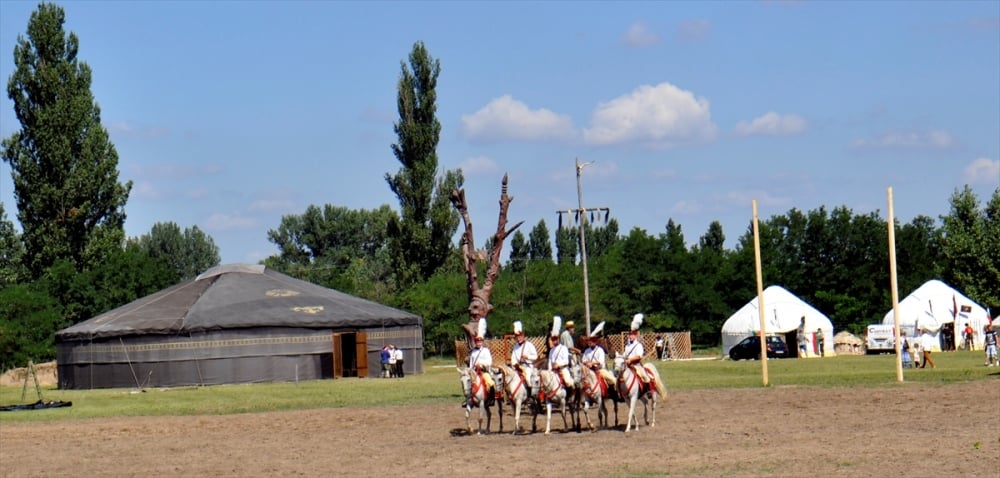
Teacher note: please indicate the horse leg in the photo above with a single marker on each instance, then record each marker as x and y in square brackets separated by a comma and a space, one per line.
[631, 414]
[468, 416]
[586, 413]
[562, 406]
[548, 417]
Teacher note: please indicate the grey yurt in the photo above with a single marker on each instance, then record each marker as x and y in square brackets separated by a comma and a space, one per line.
[235, 323]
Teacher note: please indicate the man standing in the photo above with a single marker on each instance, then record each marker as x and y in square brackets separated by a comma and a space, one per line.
[990, 344]
[819, 343]
[659, 347]
[399, 362]
[384, 356]
[800, 337]
[926, 343]
[523, 357]
[967, 336]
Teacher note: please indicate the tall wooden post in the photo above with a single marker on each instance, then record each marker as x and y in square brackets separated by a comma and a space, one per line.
[895, 291]
[760, 294]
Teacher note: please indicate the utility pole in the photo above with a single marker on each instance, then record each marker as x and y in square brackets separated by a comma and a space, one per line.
[581, 215]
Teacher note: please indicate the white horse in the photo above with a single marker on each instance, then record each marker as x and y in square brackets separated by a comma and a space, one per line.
[552, 391]
[631, 388]
[515, 389]
[477, 395]
[596, 391]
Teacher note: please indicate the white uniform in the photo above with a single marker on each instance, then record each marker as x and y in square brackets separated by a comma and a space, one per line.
[559, 360]
[481, 358]
[524, 355]
[634, 349]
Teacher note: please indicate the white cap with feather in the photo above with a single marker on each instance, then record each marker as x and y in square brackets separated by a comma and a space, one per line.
[597, 330]
[556, 326]
[481, 333]
[636, 322]
[518, 328]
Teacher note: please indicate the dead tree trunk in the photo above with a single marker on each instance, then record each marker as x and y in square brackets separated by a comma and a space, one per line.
[479, 297]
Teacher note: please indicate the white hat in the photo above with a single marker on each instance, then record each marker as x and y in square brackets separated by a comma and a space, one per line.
[556, 326]
[636, 322]
[518, 328]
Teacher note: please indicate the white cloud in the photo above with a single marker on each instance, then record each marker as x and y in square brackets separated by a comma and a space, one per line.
[226, 222]
[122, 130]
[505, 118]
[477, 166]
[175, 170]
[145, 190]
[657, 116]
[694, 30]
[930, 140]
[772, 124]
[281, 205]
[638, 35]
[983, 171]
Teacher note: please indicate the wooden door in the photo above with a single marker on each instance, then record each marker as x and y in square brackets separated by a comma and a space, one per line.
[338, 359]
[361, 352]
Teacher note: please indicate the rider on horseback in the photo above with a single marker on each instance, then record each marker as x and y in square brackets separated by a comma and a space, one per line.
[523, 358]
[480, 360]
[595, 358]
[559, 354]
[634, 350]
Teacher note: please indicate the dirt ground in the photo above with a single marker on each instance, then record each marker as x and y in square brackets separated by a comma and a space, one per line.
[911, 430]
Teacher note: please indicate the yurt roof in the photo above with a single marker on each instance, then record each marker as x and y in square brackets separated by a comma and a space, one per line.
[238, 296]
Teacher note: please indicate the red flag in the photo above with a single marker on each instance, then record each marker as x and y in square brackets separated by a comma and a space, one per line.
[954, 307]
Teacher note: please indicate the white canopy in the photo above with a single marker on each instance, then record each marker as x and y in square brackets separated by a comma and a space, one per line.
[935, 304]
[783, 313]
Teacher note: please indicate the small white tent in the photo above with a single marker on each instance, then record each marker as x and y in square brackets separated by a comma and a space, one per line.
[783, 314]
[936, 304]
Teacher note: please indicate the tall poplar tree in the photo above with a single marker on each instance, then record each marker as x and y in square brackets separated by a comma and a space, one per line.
[65, 169]
[420, 240]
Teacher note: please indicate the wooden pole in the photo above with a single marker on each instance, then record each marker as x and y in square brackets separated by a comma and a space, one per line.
[760, 294]
[895, 291]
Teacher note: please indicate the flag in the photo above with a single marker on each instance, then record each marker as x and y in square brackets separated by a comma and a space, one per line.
[954, 307]
[989, 316]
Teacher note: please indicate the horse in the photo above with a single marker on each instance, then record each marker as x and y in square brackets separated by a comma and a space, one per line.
[552, 390]
[632, 389]
[516, 392]
[595, 390]
[477, 395]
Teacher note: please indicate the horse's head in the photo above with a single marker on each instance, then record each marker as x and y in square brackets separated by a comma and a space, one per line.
[465, 376]
[619, 362]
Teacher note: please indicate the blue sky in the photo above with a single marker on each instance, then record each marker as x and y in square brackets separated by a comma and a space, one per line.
[228, 115]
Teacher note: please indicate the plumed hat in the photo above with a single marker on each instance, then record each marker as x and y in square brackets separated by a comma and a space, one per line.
[636, 322]
[597, 330]
[556, 326]
[482, 328]
[518, 328]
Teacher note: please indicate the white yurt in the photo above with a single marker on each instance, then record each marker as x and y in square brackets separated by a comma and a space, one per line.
[934, 305]
[783, 313]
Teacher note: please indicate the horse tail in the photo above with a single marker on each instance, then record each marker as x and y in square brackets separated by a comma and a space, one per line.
[661, 387]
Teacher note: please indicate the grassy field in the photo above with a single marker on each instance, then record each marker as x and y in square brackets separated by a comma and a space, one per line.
[439, 384]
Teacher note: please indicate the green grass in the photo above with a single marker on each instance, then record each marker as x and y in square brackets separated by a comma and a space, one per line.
[439, 384]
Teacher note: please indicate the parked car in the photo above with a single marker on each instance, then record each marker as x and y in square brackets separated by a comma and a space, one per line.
[749, 348]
